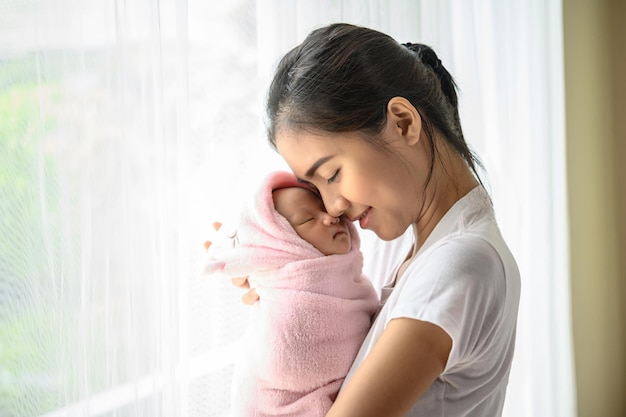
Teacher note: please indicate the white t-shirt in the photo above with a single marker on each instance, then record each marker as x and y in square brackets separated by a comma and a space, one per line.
[465, 280]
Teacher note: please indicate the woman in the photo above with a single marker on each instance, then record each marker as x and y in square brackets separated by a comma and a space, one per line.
[373, 125]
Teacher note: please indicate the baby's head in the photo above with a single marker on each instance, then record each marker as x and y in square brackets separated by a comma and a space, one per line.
[305, 211]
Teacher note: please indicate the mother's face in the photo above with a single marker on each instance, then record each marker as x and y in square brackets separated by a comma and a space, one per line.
[357, 179]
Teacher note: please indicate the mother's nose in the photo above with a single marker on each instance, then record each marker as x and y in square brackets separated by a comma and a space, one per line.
[335, 205]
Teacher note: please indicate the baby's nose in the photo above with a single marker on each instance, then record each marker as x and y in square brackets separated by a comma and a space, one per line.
[330, 220]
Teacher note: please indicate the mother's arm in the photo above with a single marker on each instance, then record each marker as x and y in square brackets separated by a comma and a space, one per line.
[409, 355]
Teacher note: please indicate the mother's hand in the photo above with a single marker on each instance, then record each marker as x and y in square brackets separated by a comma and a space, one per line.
[250, 297]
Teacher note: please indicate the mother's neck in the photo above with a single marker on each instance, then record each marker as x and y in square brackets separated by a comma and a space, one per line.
[451, 180]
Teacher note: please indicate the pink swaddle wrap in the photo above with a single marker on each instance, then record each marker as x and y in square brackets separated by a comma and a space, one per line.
[313, 314]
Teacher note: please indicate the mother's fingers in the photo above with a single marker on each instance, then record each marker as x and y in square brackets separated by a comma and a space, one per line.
[241, 282]
[250, 297]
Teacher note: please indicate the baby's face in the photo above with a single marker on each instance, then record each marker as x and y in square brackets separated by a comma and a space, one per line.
[306, 213]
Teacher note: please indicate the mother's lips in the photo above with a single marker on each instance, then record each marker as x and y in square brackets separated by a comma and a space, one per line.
[360, 216]
[364, 218]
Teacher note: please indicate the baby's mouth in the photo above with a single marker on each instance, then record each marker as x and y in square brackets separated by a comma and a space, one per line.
[340, 232]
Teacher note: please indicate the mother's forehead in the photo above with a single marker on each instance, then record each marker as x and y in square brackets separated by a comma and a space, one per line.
[307, 147]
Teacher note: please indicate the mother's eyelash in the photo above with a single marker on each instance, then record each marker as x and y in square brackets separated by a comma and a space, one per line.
[334, 177]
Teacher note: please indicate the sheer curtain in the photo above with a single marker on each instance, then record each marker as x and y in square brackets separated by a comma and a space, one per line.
[126, 127]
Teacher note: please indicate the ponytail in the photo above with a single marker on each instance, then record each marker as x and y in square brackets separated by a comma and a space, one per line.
[428, 57]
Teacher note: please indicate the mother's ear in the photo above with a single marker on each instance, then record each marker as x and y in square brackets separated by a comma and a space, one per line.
[404, 119]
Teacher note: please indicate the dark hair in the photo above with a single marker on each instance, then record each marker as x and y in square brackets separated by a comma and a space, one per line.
[341, 77]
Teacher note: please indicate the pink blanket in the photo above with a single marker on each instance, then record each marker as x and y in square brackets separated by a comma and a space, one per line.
[314, 312]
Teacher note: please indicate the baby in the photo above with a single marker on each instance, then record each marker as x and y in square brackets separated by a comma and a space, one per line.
[315, 305]
[305, 211]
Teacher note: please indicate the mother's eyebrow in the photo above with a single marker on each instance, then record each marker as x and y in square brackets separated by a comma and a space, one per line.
[311, 171]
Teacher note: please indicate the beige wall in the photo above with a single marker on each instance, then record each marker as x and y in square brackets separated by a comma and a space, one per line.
[595, 54]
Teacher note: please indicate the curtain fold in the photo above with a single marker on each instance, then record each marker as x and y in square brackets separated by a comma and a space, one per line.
[126, 128]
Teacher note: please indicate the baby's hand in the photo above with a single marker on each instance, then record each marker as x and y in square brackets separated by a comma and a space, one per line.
[250, 297]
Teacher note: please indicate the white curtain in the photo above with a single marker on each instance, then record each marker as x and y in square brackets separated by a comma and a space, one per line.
[127, 127]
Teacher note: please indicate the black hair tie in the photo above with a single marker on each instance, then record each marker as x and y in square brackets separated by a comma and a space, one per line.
[425, 54]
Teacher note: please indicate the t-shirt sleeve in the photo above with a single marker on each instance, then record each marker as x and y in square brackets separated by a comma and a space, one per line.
[460, 287]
